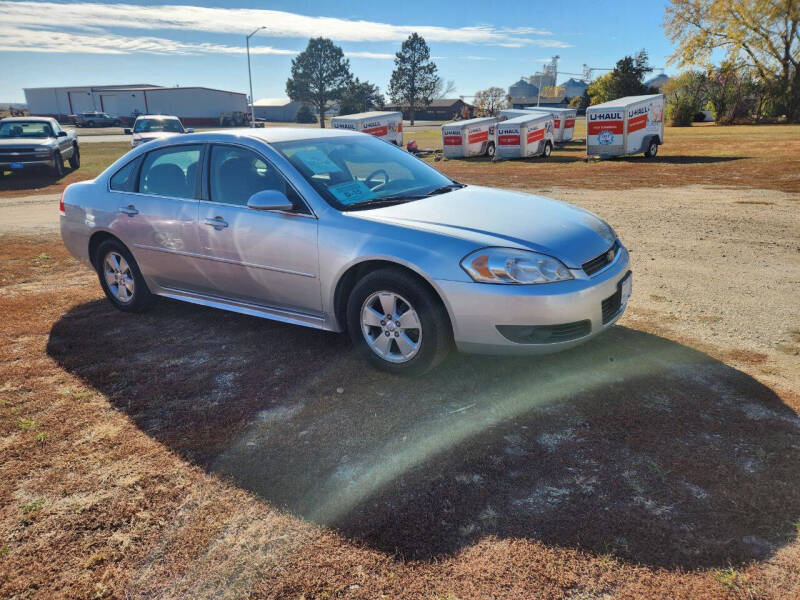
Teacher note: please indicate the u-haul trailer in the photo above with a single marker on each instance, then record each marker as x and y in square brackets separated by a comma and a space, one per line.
[385, 125]
[625, 126]
[563, 119]
[472, 137]
[528, 135]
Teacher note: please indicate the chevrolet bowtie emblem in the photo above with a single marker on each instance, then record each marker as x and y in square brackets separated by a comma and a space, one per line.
[610, 255]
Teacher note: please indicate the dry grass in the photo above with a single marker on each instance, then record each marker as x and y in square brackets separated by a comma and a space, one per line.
[95, 157]
[764, 156]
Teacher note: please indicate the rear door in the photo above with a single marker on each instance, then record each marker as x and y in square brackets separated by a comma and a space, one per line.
[266, 258]
[157, 200]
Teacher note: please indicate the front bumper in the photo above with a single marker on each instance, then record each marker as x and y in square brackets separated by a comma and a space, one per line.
[27, 164]
[477, 309]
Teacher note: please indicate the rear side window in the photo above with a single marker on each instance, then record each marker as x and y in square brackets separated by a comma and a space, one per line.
[124, 180]
[171, 171]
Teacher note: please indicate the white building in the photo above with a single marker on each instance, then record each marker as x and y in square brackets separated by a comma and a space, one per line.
[193, 105]
[276, 109]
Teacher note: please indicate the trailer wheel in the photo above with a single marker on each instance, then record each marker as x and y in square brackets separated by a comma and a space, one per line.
[652, 148]
[490, 150]
[548, 150]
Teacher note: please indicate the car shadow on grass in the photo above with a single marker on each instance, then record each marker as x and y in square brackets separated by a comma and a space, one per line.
[631, 445]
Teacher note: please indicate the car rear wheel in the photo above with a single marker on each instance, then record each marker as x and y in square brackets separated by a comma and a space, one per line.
[652, 149]
[548, 150]
[58, 165]
[121, 279]
[397, 324]
[75, 159]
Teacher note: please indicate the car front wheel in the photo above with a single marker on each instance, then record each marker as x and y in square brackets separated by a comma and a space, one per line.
[58, 165]
[397, 323]
[75, 159]
[121, 279]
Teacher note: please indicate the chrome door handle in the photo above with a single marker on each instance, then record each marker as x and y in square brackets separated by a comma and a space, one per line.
[129, 210]
[216, 223]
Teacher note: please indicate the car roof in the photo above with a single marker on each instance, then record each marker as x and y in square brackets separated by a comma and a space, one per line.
[157, 117]
[16, 119]
[285, 134]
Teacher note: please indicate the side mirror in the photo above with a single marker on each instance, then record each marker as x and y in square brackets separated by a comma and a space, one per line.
[128, 131]
[190, 130]
[62, 134]
[269, 200]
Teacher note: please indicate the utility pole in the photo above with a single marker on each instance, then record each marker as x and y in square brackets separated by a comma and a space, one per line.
[250, 75]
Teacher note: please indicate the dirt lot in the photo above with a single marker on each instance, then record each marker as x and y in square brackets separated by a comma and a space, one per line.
[190, 453]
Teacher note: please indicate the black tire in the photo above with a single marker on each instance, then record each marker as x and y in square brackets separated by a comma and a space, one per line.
[490, 150]
[141, 298]
[652, 148]
[57, 169]
[548, 150]
[75, 159]
[436, 336]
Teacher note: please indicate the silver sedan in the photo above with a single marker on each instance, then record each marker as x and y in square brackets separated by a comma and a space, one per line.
[344, 232]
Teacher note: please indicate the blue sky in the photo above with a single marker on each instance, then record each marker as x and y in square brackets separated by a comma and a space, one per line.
[476, 44]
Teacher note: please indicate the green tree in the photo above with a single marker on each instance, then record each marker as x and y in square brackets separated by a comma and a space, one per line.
[684, 96]
[360, 96]
[628, 75]
[414, 81]
[320, 74]
[763, 33]
[305, 115]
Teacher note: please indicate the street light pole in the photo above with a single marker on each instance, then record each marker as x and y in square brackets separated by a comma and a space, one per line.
[250, 75]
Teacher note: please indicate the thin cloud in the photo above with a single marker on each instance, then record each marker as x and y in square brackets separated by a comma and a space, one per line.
[15, 39]
[375, 55]
[91, 16]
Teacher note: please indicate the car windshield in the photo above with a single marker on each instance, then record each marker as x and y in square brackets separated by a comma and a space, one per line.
[154, 125]
[358, 172]
[26, 129]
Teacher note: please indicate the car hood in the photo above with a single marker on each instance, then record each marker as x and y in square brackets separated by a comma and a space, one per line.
[47, 142]
[492, 217]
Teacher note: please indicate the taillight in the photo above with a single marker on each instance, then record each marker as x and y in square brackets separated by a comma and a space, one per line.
[61, 210]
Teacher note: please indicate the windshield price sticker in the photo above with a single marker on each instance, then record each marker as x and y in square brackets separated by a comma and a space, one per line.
[351, 192]
[317, 162]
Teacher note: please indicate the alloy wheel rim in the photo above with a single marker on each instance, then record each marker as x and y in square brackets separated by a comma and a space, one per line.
[119, 277]
[391, 327]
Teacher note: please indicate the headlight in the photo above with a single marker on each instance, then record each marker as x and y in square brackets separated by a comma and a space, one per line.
[507, 265]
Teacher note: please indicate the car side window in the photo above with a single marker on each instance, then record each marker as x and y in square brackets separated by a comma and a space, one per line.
[124, 180]
[171, 172]
[235, 174]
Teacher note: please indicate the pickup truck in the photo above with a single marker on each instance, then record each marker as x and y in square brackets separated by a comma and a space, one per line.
[34, 142]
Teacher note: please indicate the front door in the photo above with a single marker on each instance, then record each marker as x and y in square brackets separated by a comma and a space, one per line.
[259, 257]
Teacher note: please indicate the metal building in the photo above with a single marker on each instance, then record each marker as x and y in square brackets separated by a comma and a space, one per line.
[276, 109]
[193, 105]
